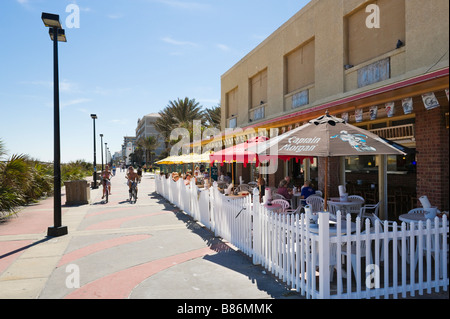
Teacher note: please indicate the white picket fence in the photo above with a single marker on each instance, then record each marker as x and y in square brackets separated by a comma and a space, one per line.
[402, 259]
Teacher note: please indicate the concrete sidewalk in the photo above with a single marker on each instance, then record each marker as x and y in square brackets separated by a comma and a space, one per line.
[121, 250]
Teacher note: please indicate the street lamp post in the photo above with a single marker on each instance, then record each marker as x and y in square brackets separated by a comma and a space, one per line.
[94, 117]
[101, 143]
[106, 153]
[56, 34]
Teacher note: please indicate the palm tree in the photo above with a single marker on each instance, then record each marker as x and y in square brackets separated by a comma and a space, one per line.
[213, 117]
[148, 144]
[179, 113]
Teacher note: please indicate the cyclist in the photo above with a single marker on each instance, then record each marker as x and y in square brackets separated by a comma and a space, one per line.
[106, 175]
[132, 178]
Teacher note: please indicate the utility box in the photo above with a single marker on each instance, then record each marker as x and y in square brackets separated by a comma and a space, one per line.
[77, 193]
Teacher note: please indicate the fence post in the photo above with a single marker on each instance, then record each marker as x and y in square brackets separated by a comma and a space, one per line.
[256, 234]
[324, 255]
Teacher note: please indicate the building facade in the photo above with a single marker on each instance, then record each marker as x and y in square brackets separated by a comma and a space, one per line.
[381, 65]
[146, 127]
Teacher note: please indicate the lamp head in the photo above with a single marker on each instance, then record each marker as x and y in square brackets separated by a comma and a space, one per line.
[51, 20]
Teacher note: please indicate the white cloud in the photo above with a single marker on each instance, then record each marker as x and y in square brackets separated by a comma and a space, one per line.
[223, 47]
[177, 42]
[114, 16]
[74, 102]
[185, 5]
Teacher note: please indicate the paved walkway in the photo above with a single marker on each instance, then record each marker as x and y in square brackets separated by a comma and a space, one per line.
[121, 250]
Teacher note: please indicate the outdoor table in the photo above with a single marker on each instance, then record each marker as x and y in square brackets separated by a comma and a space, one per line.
[295, 199]
[235, 196]
[343, 205]
[314, 228]
[274, 207]
[416, 218]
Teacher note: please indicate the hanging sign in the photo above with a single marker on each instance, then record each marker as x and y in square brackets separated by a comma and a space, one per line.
[430, 101]
[407, 105]
[358, 115]
[345, 116]
[389, 107]
[373, 112]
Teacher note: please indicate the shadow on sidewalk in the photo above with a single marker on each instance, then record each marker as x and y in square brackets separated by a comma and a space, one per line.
[233, 259]
[18, 250]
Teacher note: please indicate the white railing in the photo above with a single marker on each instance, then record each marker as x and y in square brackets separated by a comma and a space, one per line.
[401, 259]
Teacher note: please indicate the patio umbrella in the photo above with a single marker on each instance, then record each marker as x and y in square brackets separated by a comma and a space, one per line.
[327, 136]
[239, 153]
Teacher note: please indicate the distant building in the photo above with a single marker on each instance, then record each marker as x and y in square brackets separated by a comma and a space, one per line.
[146, 127]
[128, 146]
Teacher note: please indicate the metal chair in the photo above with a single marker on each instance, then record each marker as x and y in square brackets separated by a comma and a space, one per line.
[316, 203]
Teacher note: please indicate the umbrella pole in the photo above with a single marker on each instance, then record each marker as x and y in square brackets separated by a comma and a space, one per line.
[326, 184]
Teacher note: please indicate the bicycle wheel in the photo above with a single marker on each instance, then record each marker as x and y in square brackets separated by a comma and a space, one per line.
[106, 195]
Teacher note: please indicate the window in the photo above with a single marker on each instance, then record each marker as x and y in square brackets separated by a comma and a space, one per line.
[258, 87]
[300, 65]
[300, 99]
[232, 123]
[232, 103]
[365, 43]
[375, 72]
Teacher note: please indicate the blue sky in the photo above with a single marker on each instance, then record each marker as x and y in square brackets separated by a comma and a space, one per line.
[128, 58]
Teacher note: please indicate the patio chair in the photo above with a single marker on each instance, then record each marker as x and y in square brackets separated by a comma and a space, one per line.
[390, 227]
[278, 196]
[369, 211]
[253, 184]
[244, 188]
[416, 211]
[294, 211]
[284, 203]
[316, 203]
[353, 251]
[358, 202]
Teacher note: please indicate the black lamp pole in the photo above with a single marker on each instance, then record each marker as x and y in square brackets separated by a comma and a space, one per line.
[94, 117]
[101, 143]
[56, 34]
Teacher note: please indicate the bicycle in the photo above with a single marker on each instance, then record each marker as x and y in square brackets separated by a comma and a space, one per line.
[106, 183]
[133, 192]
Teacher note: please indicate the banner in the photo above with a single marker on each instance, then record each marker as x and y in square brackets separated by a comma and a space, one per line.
[373, 112]
[345, 116]
[390, 109]
[407, 105]
[430, 101]
[358, 115]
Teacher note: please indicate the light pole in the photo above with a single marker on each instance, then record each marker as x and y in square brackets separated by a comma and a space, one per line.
[56, 34]
[106, 153]
[94, 117]
[101, 143]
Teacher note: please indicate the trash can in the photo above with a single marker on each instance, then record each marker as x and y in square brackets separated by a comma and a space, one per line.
[77, 193]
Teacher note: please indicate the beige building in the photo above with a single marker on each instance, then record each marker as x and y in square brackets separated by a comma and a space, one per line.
[365, 61]
[146, 127]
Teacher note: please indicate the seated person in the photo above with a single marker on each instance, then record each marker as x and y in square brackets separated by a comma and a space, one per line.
[175, 176]
[283, 190]
[262, 188]
[307, 191]
[227, 178]
[187, 180]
